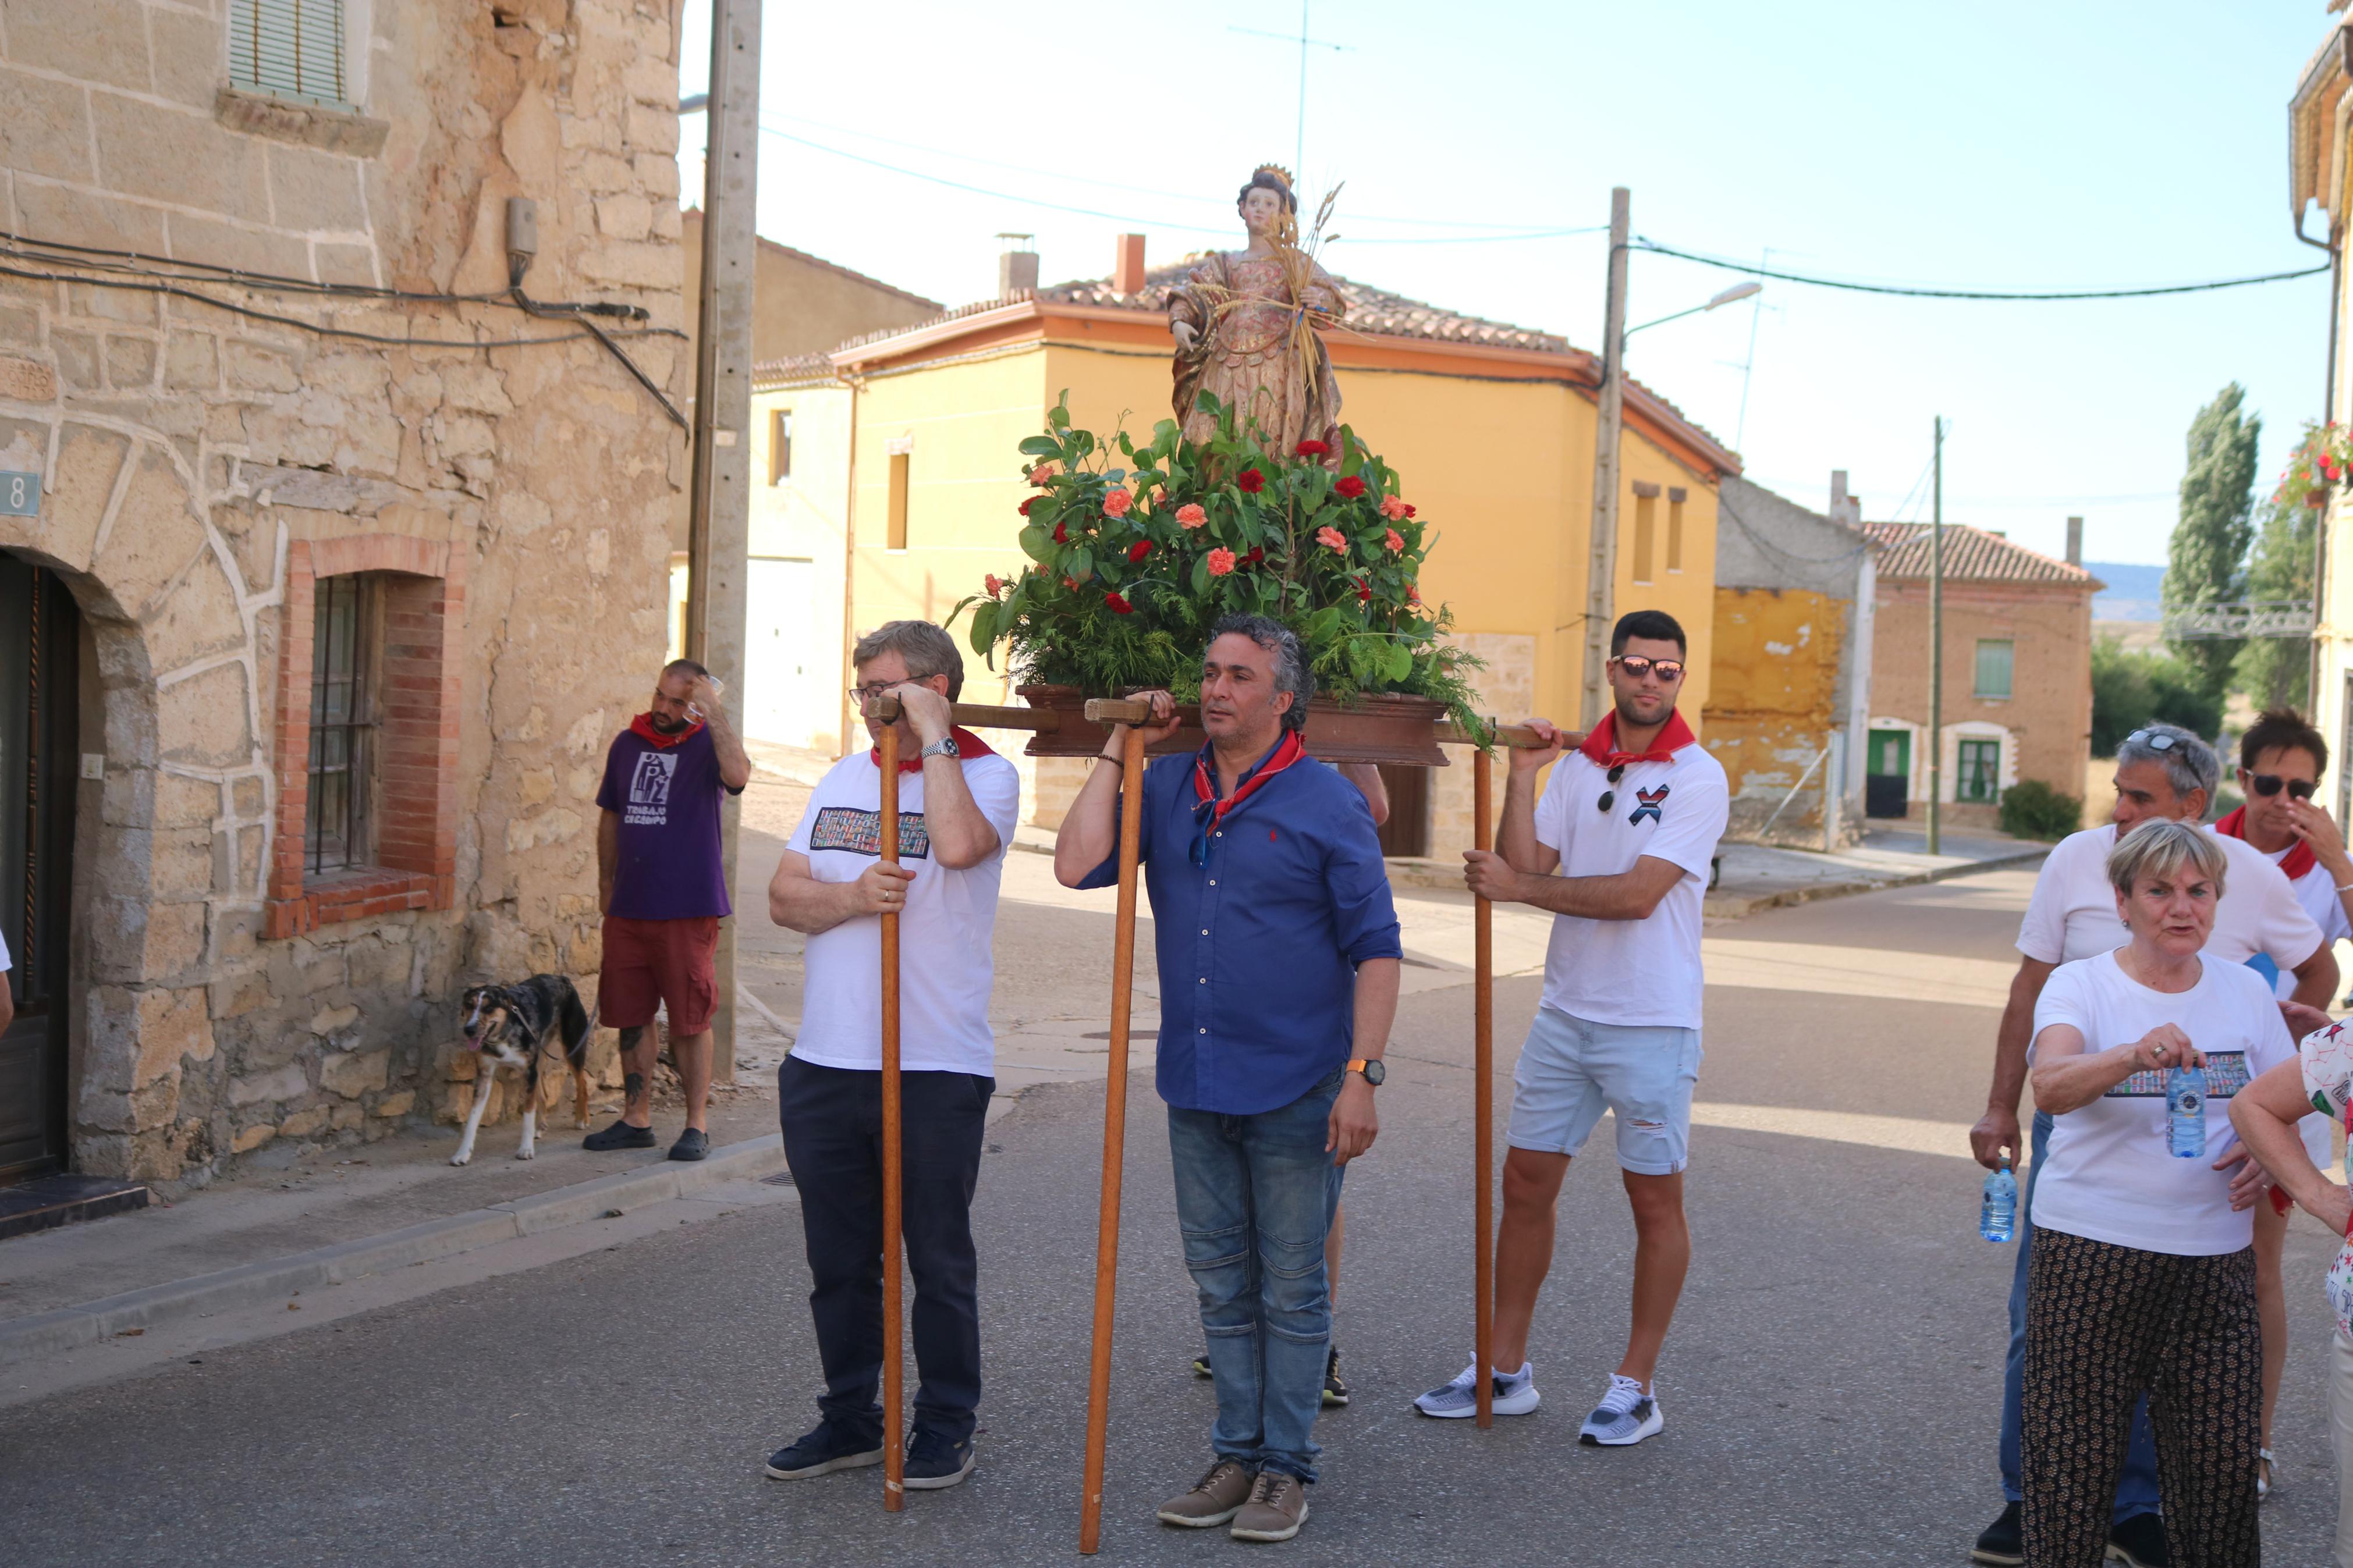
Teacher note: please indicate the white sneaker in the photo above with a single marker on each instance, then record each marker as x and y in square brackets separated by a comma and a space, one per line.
[1624, 1418]
[1516, 1395]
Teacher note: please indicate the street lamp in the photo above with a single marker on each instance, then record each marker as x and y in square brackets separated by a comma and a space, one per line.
[1737, 291]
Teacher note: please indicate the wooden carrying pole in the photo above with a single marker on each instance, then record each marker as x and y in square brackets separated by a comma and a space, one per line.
[1482, 1091]
[894, 1456]
[1123, 986]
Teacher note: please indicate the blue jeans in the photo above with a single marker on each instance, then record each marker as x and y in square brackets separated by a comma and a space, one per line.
[2136, 1487]
[1254, 1198]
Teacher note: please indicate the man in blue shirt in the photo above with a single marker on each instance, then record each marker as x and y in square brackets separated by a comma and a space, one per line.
[1278, 952]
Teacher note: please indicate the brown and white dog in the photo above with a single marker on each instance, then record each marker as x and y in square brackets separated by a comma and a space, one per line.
[516, 1026]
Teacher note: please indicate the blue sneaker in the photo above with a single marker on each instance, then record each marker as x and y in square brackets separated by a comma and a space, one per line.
[1516, 1395]
[1624, 1418]
[822, 1452]
[935, 1461]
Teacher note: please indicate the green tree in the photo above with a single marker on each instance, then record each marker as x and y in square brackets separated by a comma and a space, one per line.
[2276, 672]
[2205, 562]
[2132, 687]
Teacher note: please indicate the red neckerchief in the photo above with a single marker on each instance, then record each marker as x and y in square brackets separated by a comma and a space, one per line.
[1601, 747]
[642, 727]
[1286, 752]
[2293, 865]
[967, 745]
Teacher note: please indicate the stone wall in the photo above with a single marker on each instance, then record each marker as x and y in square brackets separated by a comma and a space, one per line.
[190, 453]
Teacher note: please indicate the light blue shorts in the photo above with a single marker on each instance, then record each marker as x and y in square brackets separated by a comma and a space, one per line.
[1570, 1070]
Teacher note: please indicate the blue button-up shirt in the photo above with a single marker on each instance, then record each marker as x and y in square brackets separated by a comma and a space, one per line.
[1259, 948]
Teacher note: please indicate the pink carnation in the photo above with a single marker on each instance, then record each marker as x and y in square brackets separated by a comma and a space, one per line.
[1041, 473]
[1395, 542]
[996, 585]
[1116, 502]
[1394, 509]
[1190, 515]
[1221, 561]
[1331, 536]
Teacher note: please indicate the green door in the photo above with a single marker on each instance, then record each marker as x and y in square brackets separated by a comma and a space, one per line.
[1891, 753]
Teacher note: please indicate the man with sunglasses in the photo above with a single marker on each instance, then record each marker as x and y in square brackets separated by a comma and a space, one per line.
[1278, 963]
[1630, 821]
[2162, 772]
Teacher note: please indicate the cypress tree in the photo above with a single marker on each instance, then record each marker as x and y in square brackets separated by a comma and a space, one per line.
[2205, 560]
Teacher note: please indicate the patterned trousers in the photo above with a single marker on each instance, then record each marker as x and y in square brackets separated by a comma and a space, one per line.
[2104, 1324]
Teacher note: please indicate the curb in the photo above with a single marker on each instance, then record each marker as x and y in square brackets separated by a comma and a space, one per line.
[1723, 907]
[252, 1284]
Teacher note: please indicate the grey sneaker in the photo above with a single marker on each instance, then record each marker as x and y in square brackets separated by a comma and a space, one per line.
[1216, 1498]
[1276, 1508]
[1624, 1418]
[1514, 1395]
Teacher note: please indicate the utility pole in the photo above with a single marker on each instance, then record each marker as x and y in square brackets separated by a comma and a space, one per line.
[1936, 640]
[720, 500]
[1601, 570]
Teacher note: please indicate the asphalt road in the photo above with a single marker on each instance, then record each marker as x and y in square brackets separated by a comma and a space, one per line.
[1831, 1389]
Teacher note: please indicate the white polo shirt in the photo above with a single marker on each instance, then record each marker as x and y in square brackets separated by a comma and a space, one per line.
[2072, 911]
[945, 965]
[1643, 972]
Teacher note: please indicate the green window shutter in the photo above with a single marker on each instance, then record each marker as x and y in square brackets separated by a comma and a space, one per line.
[291, 49]
[1994, 662]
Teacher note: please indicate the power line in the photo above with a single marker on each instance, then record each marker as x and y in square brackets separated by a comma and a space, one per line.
[1642, 243]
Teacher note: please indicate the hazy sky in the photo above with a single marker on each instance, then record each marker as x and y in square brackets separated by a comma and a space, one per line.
[1997, 145]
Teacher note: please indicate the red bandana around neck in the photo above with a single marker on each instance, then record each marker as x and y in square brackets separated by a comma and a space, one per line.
[968, 745]
[642, 727]
[2292, 866]
[1600, 746]
[1205, 793]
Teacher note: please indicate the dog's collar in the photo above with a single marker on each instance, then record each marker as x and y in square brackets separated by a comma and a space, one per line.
[505, 997]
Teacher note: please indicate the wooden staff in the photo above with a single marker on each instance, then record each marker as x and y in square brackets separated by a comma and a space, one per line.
[1123, 979]
[894, 1458]
[1483, 1089]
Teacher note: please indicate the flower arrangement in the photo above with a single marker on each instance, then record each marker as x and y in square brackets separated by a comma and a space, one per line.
[1134, 552]
[2323, 460]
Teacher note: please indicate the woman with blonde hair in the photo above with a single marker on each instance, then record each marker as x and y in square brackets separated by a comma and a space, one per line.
[2143, 1279]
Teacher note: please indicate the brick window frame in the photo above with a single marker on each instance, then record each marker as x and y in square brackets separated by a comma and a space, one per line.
[416, 860]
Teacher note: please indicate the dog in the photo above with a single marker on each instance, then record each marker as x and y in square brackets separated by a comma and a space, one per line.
[516, 1026]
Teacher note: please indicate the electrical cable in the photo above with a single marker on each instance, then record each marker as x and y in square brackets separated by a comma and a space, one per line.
[1641, 243]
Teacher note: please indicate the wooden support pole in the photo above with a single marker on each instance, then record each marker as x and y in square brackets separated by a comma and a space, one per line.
[894, 1455]
[1122, 987]
[1483, 1089]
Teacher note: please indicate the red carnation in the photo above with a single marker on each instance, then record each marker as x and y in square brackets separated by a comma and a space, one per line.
[1409, 510]
[1364, 593]
[1026, 502]
[1119, 606]
[1139, 550]
[1349, 489]
[1312, 448]
[1251, 480]
[1257, 554]
[1061, 534]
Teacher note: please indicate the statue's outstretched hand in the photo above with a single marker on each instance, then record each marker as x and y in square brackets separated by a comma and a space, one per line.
[1184, 333]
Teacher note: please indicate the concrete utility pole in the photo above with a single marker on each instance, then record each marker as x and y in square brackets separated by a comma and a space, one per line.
[1936, 640]
[718, 520]
[1601, 571]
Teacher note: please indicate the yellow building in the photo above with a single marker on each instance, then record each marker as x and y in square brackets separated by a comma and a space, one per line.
[1490, 427]
[2320, 121]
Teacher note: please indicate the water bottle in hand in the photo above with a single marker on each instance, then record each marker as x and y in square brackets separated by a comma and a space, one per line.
[2185, 1111]
[1997, 1215]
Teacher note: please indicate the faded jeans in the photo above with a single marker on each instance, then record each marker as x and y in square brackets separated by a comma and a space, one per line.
[1254, 1198]
[2137, 1486]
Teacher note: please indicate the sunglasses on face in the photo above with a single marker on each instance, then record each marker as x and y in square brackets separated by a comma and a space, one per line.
[2269, 784]
[1635, 667]
[1610, 796]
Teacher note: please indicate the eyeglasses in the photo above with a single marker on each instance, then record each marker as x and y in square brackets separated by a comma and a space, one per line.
[2269, 784]
[2152, 740]
[1635, 667]
[1610, 796]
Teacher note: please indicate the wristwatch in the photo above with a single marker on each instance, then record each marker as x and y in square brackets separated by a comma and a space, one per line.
[1371, 1069]
[944, 746]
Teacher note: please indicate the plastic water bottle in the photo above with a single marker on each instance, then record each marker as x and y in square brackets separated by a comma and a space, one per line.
[2185, 1111]
[1997, 1215]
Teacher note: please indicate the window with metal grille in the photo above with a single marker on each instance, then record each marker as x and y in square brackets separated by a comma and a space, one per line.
[1980, 772]
[291, 49]
[343, 721]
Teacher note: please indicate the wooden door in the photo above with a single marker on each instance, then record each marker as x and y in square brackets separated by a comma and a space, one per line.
[39, 688]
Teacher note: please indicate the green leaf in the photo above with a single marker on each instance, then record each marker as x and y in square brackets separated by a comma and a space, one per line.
[1081, 562]
[1201, 576]
[1059, 416]
[1037, 543]
[984, 628]
[1041, 446]
[1116, 476]
[1400, 662]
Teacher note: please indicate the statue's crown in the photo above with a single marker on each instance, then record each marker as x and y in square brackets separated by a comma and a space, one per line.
[1279, 172]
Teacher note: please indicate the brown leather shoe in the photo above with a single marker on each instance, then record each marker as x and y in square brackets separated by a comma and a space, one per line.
[1276, 1508]
[1216, 1498]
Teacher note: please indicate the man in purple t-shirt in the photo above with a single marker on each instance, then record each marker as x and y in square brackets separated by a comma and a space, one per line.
[663, 889]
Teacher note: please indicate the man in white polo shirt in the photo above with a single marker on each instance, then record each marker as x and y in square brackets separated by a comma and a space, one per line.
[958, 804]
[1630, 823]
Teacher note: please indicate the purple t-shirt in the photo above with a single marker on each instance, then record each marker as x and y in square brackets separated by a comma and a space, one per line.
[668, 801]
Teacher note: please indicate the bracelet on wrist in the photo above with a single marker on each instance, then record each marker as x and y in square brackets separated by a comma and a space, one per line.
[1114, 762]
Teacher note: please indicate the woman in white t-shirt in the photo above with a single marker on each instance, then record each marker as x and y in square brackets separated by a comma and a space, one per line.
[2143, 1277]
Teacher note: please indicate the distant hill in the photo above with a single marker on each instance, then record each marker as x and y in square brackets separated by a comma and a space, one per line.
[2133, 592]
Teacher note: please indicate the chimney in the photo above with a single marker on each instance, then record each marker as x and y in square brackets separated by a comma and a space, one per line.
[1127, 265]
[1844, 508]
[2075, 542]
[1017, 267]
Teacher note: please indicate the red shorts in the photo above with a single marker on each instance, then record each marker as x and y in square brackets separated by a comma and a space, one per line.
[658, 962]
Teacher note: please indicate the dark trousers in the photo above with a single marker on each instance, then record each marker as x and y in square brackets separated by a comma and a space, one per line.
[832, 1122]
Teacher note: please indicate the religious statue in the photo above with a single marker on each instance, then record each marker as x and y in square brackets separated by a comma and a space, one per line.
[1245, 321]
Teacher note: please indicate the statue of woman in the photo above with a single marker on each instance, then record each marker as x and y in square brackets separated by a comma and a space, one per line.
[1244, 323]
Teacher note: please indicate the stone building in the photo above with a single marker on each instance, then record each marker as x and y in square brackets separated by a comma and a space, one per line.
[2018, 672]
[326, 570]
[1790, 697]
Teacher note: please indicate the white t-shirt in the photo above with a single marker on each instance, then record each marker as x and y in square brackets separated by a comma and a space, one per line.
[2073, 912]
[5, 963]
[1632, 971]
[2111, 1174]
[2315, 890]
[945, 965]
